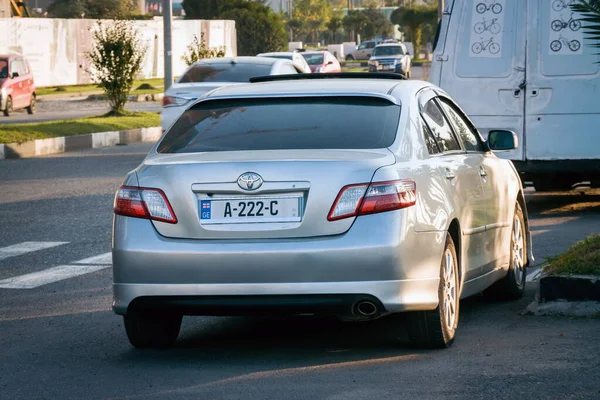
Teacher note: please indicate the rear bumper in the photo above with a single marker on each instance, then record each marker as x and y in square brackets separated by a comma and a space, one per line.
[400, 271]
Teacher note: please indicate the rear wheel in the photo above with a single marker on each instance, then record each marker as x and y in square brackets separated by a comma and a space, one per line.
[9, 107]
[349, 58]
[31, 108]
[151, 330]
[437, 328]
[512, 286]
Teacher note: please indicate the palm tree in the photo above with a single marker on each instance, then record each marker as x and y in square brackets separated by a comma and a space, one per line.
[590, 11]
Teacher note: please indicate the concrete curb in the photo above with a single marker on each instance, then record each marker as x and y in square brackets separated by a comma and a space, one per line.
[569, 287]
[42, 147]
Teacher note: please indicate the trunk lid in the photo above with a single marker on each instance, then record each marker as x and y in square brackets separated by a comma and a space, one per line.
[297, 191]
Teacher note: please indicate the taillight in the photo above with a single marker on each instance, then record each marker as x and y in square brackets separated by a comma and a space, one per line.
[373, 198]
[172, 101]
[146, 203]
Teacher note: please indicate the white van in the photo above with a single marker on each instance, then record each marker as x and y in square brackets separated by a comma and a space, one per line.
[524, 66]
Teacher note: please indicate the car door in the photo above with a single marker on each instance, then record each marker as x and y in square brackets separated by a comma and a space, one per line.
[16, 84]
[463, 183]
[488, 168]
[28, 88]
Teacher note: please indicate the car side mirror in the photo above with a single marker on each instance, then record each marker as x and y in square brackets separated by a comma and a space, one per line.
[15, 75]
[499, 140]
[330, 62]
[368, 55]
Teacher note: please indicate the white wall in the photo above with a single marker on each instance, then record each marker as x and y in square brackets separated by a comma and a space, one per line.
[55, 48]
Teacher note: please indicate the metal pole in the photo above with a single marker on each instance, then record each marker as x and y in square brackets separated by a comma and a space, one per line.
[440, 9]
[167, 18]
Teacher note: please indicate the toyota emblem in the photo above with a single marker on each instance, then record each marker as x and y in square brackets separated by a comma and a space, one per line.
[250, 181]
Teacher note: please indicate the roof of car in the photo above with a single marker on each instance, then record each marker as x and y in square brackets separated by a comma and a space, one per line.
[389, 44]
[316, 86]
[240, 60]
[315, 52]
[283, 53]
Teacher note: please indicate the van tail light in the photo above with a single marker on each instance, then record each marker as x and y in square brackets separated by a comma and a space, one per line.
[146, 203]
[373, 198]
[173, 101]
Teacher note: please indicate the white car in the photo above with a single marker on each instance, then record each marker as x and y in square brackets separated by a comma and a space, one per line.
[295, 56]
[206, 75]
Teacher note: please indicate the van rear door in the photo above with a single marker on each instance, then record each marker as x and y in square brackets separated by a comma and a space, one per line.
[561, 107]
[480, 62]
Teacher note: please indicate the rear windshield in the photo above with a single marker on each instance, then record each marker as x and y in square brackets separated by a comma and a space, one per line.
[280, 56]
[224, 72]
[283, 124]
[313, 59]
[388, 51]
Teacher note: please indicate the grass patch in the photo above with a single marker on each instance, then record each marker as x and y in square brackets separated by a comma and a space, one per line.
[18, 133]
[93, 87]
[581, 259]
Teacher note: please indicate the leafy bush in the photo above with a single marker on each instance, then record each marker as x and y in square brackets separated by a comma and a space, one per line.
[198, 50]
[116, 60]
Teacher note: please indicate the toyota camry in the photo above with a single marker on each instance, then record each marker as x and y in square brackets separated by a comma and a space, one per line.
[358, 196]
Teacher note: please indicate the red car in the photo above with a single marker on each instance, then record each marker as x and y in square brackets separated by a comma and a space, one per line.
[16, 83]
[322, 61]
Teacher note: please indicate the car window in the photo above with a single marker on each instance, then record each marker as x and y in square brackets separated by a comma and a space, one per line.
[224, 72]
[432, 146]
[284, 123]
[313, 59]
[440, 127]
[468, 137]
[387, 51]
[370, 45]
[3, 69]
[22, 67]
[14, 67]
[362, 46]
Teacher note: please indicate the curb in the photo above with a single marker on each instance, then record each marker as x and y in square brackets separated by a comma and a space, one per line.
[132, 98]
[569, 287]
[63, 144]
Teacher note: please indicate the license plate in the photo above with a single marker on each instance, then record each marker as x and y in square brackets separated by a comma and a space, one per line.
[387, 67]
[246, 210]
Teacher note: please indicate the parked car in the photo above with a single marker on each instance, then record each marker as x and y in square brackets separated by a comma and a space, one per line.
[391, 57]
[208, 74]
[16, 84]
[231, 212]
[295, 56]
[364, 50]
[322, 61]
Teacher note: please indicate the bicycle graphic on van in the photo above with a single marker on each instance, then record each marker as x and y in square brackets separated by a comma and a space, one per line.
[560, 5]
[490, 45]
[483, 7]
[560, 24]
[556, 45]
[483, 26]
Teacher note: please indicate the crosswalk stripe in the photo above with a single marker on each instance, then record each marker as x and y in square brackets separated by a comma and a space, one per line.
[105, 258]
[26, 247]
[50, 275]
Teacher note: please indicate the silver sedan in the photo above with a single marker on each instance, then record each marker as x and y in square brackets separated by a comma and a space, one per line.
[360, 197]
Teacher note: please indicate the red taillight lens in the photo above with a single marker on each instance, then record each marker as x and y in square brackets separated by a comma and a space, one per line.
[144, 203]
[173, 101]
[377, 197]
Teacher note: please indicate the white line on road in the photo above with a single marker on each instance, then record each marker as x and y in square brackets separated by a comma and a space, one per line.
[26, 247]
[51, 275]
[105, 258]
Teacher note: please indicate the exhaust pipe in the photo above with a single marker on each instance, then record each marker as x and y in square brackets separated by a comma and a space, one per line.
[366, 308]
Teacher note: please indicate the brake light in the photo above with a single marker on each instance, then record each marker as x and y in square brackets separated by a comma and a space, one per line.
[146, 203]
[373, 198]
[173, 101]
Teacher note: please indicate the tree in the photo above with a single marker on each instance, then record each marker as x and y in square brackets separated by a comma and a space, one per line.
[334, 25]
[355, 23]
[258, 28]
[295, 26]
[115, 61]
[413, 19]
[590, 12]
[94, 9]
[379, 24]
[315, 15]
[198, 50]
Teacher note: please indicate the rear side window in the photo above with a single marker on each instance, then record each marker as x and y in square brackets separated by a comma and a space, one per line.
[3, 69]
[468, 135]
[440, 127]
[224, 72]
[432, 146]
[281, 124]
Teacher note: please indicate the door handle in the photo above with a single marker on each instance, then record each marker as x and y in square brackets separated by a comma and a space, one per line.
[450, 175]
[482, 172]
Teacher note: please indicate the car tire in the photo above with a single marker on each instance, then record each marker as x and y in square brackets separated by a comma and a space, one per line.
[31, 108]
[349, 58]
[554, 184]
[9, 107]
[437, 328]
[151, 330]
[512, 286]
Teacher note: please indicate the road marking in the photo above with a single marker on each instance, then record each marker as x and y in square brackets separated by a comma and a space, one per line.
[105, 258]
[26, 247]
[50, 275]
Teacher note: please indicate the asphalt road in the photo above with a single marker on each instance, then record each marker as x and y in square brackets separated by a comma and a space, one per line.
[61, 341]
[52, 110]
